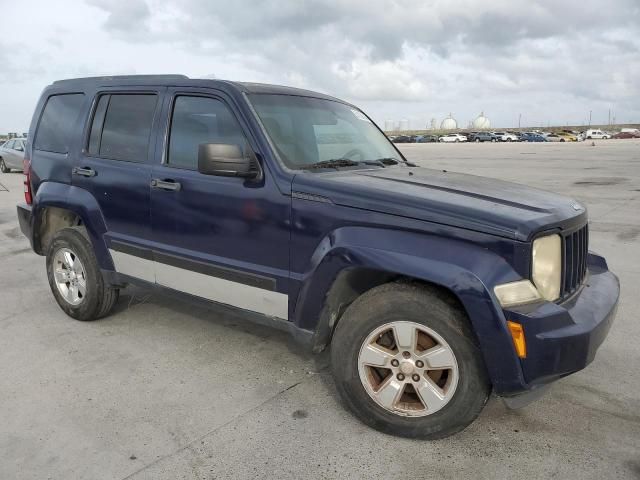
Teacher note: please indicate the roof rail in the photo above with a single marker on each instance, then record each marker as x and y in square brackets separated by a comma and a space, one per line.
[124, 77]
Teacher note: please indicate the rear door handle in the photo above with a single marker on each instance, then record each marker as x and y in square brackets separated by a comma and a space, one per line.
[84, 171]
[169, 185]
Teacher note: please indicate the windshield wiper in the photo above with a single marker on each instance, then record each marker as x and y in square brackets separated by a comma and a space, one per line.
[387, 161]
[347, 162]
[395, 161]
[333, 163]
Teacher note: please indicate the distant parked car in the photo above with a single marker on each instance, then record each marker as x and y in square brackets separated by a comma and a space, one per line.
[483, 137]
[12, 155]
[626, 135]
[506, 136]
[532, 137]
[426, 138]
[553, 137]
[453, 138]
[403, 139]
[567, 137]
[596, 134]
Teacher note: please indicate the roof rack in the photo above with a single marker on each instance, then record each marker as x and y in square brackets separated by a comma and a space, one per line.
[124, 77]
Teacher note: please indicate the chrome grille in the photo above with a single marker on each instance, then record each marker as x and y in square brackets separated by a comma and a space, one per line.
[576, 246]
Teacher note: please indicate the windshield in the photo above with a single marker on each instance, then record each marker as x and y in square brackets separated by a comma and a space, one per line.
[306, 131]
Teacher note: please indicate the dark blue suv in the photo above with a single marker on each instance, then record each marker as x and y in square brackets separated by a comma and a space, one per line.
[431, 288]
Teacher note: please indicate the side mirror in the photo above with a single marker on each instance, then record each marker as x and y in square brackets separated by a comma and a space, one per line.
[227, 160]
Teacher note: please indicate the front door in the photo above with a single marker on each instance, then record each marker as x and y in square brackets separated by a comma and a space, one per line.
[225, 239]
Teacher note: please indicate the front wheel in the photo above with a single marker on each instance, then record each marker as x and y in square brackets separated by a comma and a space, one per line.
[75, 279]
[406, 362]
[3, 166]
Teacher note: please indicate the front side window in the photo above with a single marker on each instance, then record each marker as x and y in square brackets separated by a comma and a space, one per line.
[197, 120]
[306, 130]
[57, 122]
[125, 132]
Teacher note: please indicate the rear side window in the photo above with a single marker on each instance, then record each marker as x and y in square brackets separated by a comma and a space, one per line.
[199, 120]
[121, 127]
[57, 122]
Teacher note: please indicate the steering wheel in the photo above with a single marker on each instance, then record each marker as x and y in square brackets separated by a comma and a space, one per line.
[353, 152]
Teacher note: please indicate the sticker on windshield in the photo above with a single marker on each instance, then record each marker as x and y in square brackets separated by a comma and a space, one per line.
[360, 116]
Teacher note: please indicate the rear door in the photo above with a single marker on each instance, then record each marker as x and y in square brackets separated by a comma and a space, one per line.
[115, 166]
[221, 238]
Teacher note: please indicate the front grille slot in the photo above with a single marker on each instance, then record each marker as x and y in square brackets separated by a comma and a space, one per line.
[576, 246]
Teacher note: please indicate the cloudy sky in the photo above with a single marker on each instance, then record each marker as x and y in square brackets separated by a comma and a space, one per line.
[551, 61]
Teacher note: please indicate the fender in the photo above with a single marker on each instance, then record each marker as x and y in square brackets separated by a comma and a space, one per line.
[80, 202]
[466, 269]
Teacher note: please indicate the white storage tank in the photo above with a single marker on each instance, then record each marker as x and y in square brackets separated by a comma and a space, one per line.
[449, 123]
[482, 122]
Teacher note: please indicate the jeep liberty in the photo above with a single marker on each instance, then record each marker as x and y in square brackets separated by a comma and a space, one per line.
[432, 289]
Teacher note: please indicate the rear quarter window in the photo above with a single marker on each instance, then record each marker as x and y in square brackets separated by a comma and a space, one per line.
[56, 124]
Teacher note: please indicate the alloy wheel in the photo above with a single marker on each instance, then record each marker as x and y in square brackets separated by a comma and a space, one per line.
[70, 276]
[408, 369]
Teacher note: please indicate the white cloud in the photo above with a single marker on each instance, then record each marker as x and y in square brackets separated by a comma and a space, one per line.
[551, 61]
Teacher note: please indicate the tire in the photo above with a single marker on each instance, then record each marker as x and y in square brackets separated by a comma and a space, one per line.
[457, 140]
[508, 139]
[407, 305]
[493, 140]
[3, 166]
[477, 140]
[98, 299]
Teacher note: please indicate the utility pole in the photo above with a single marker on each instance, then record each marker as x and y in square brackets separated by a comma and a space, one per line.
[609, 117]
[519, 118]
[590, 117]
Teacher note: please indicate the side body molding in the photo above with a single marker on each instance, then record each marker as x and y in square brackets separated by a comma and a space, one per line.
[466, 269]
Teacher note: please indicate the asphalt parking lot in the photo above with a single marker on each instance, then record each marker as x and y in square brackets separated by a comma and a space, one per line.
[163, 389]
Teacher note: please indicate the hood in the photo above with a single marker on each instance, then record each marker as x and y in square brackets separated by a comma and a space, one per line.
[467, 201]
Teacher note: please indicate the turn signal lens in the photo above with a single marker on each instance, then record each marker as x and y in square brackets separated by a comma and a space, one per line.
[517, 334]
[516, 293]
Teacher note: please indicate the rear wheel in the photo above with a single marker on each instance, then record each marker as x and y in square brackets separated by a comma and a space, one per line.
[406, 362]
[75, 279]
[3, 166]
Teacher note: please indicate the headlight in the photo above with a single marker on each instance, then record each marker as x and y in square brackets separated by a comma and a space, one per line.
[546, 275]
[547, 266]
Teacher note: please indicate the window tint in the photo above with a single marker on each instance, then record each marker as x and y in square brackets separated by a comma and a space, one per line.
[127, 127]
[96, 126]
[57, 122]
[199, 120]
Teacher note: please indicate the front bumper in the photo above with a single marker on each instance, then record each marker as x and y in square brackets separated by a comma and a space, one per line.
[563, 338]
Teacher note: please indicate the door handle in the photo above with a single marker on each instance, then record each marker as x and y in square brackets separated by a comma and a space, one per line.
[84, 171]
[169, 185]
